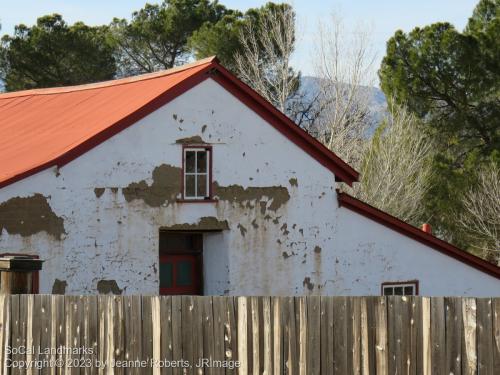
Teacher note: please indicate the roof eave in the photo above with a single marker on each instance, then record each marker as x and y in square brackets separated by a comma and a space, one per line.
[354, 204]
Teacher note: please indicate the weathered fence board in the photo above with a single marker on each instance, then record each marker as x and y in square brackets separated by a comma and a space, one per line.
[267, 335]
[496, 332]
[485, 337]
[438, 335]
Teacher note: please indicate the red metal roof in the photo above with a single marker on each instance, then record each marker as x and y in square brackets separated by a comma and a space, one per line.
[48, 127]
[362, 208]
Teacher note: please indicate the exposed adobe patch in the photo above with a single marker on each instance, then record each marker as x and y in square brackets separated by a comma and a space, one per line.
[207, 223]
[99, 192]
[196, 139]
[166, 185]
[293, 182]
[307, 283]
[59, 286]
[30, 215]
[238, 194]
[108, 287]
[242, 229]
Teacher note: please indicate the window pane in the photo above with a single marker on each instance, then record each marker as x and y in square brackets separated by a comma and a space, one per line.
[190, 161]
[409, 291]
[398, 291]
[388, 291]
[190, 185]
[165, 275]
[184, 273]
[202, 162]
[202, 185]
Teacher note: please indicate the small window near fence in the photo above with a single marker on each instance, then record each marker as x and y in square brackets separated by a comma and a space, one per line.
[403, 288]
[197, 178]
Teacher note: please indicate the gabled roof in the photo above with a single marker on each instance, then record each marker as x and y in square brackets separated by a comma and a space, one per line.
[362, 208]
[50, 127]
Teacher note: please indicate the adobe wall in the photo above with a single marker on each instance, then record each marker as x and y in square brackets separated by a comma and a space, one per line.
[96, 220]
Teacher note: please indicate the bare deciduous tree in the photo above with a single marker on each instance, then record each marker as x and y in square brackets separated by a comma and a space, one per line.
[268, 45]
[395, 164]
[344, 65]
[396, 167]
[481, 216]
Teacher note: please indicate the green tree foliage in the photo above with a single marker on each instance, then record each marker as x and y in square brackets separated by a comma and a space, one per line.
[442, 76]
[52, 53]
[221, 38]
[2, 54]
[157, 35]
[451, 80]
[224, 37]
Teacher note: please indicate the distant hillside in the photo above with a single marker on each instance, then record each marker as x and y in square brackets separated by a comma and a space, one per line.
[377, 102]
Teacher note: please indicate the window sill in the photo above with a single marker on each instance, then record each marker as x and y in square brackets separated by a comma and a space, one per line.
[197, 200]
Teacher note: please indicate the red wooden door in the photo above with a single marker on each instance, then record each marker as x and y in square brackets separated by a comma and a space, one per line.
[181, 270]
[179, 274]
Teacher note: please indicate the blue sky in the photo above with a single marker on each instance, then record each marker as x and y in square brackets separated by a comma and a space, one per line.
[383, 16]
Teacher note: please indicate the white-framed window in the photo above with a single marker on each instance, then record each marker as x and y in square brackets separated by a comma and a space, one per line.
[197, 172]
[403, 288]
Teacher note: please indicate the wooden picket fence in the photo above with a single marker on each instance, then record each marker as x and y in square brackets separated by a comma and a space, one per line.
[267, 335]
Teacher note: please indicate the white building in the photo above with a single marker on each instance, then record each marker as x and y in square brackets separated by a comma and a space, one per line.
[187, 181]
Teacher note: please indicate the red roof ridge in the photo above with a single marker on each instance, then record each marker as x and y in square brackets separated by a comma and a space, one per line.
[354, 204]
[114, 82]
[35, 125]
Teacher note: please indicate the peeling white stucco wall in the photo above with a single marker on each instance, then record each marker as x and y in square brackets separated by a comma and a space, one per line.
[306, 245]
